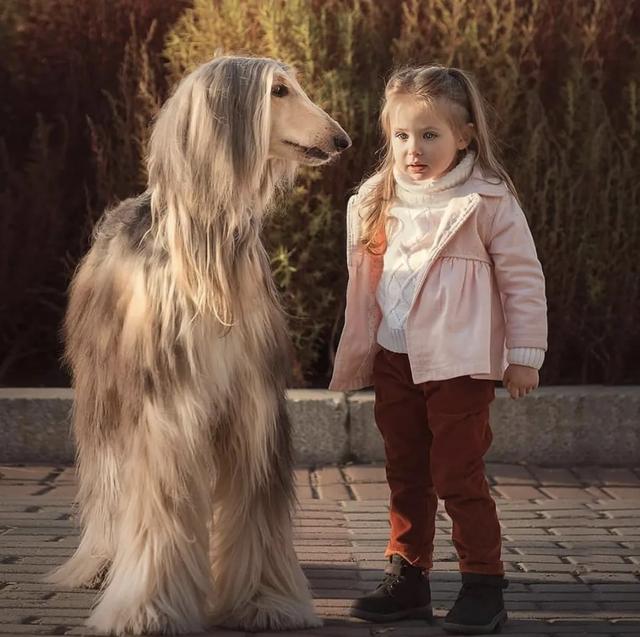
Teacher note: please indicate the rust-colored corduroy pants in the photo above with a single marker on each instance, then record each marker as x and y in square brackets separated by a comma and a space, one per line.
[435, 436]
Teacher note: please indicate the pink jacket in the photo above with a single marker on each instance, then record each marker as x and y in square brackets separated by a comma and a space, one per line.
[480, 293]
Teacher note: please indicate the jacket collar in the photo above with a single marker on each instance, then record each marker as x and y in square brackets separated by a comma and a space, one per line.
[466, 198]
[482, 184]
[457, 212]
[463, 203]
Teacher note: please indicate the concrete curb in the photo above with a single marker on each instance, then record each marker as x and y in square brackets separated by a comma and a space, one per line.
[553, 426]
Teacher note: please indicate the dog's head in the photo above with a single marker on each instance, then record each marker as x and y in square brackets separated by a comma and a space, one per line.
[236, 127]
[300, 130]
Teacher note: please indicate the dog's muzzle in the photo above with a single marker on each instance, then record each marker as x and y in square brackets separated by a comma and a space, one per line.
[316, 153]
[340, 143]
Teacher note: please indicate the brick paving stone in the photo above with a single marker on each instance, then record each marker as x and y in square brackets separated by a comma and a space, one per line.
[506, 514]
[518, 492]
[537, 559]
[27, 629]
[19, 490]
[23, 473]
[304, 492]
[577, 511]
[618, 514]
[509, 474]
[571, 554]
[573, 493]
[616, 588]
[541, 522]
[623, 493]
[363, 506]
[329, 484]
[367, 516]
[618, 578]
[526, 533]
[601, 567]
[369, 524]
[373, 491]
[611, 505]
[328, 475]
[588, 474]
[604, 552]
[544, 503]
[594, 559]
[66, 474]
[578, 533]
[320, 505]
[59, 492]
[334, 492]
[365, 473]
[554, 476]
[619, 476]
[549, 567]
[302, 479]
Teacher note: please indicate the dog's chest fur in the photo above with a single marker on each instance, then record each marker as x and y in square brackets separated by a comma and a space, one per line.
[154, 309]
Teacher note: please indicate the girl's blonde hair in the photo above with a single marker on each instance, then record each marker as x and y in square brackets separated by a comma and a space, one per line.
[428, 83]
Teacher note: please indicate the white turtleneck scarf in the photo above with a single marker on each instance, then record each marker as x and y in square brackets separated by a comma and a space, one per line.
[414, 220]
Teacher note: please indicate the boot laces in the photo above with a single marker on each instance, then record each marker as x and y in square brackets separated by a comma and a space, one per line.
[391, 581]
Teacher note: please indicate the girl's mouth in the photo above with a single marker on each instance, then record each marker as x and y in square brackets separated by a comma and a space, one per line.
[416, 168]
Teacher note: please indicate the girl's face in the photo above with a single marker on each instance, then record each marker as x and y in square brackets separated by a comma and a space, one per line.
[424, 144]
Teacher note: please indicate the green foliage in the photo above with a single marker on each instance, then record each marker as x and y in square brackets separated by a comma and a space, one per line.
[562, 77]
[119, 145]
[59, 62]
[339, 51]
[569, 131]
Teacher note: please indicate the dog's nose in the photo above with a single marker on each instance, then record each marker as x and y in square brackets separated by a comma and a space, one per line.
[341, 143]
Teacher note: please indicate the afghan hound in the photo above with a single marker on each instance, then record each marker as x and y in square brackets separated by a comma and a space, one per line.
[178, 350]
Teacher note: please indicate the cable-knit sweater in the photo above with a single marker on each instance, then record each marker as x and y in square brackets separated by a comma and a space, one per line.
[413, 221]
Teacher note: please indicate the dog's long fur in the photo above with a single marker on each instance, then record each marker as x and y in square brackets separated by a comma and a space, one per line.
[178, 349]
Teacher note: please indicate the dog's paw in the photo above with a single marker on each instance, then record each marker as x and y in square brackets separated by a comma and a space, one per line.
[80, 572]
[110, 618]
[270, 613]
[98, 580]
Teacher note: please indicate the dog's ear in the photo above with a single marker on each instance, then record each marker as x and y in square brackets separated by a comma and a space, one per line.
[213, 134]
[241, 110]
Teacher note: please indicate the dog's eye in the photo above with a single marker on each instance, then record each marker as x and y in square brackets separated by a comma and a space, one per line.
[279, 90]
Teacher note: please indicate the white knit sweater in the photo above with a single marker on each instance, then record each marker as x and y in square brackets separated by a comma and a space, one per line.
[413, 221]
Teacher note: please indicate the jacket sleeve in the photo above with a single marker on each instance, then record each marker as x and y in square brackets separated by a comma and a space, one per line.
[519, 276]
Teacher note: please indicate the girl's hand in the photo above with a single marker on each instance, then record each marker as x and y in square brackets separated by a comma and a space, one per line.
[520, 380]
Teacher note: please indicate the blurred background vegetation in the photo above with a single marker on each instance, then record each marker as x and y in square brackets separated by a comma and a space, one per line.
[81, 81]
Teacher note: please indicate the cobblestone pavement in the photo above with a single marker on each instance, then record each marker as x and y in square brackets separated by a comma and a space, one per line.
[571, 550]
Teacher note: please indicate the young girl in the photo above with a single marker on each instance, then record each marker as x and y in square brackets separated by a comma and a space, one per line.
[445, 296]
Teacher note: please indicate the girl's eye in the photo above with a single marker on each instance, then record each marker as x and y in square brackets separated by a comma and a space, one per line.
[401, 135]
[430, 135]
[279, 90]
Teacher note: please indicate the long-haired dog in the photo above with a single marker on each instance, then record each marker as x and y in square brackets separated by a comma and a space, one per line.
[179, 352]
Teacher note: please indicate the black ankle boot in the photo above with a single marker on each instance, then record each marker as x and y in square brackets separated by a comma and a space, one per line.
[479, 608]
[403, 594]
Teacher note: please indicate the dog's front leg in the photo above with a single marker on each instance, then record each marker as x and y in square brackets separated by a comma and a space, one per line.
[258, 582]
[159, 577]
